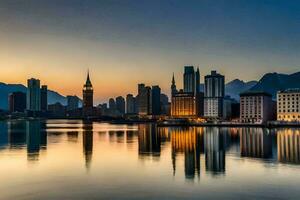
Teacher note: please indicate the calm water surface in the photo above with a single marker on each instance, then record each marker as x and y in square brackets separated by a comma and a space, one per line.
[60, 159]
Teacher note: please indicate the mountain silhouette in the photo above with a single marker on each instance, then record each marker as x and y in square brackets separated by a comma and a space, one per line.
[6, 89]
[237, 86]
[274, 82]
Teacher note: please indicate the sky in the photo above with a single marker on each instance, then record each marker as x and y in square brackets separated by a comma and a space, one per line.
[126, 42]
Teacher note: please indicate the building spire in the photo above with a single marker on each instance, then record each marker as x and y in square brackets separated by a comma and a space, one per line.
[173, 79]
[88, 81]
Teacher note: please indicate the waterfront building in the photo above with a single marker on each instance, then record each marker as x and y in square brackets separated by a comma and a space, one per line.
[190, 94]
[17, 102]
[72, 102]
[33, 95]
[288, 105]
[155, 100]
[214, 90]
[88, 93]
[112, 104]
[44, 98]
[120, 105]
[164, 104]
[256, 107]
[183, 105]
[144, 100]
[131, 105]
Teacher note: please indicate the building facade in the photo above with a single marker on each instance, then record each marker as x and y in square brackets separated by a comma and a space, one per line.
[131, 105]
[120, 105]
[288, 105]
[256, 107]
[33, 95]
[183, 105]
[155, 100]
[144, 100]
[189, 79]
[214, 91]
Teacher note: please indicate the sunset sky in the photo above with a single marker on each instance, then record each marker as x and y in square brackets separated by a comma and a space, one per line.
[126, 42]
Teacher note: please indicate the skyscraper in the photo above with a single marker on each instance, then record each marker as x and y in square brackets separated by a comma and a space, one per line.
[120, 104]
[214, 90]
[189, 79]
[131, 104]
[17, 102]
[87, 97]
[111, 104]
[144, 100]
[44, 98]
[33, 95]
[155, 100]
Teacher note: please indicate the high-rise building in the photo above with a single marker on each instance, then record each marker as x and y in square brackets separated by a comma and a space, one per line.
[120, 104]
[288, 105]
[112, 104]
[197, 81]
[144, 100]
[17, 102]
[44, 98]
[189, 79]
[256, 107]
[155, 100]
[131, 105]
[88, 92]
[214, 90]
[72, 102]
[33, 95]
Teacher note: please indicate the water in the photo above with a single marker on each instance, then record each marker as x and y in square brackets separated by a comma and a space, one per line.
[61, 159]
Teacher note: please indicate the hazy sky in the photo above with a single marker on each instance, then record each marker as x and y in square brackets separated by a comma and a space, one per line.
[126, 42]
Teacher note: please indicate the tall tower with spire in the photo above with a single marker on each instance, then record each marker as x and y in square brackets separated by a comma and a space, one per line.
[173, 86]
[87, 96]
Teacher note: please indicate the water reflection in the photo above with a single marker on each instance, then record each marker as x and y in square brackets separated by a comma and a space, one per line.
[87, 141]
[197, 149]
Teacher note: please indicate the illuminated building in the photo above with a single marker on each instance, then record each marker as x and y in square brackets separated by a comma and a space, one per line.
[183, 105]
[87, 97]
[256, 107]
[288, 105]
[214, 90]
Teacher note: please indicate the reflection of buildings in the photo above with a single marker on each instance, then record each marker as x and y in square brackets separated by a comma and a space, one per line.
[288, 145]
[87, 140]
[36, 139]
[189, 142]
[214, 147]
[149, 140]
[255, 142]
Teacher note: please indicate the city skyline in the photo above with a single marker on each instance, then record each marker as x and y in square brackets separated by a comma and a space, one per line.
[125, 44]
